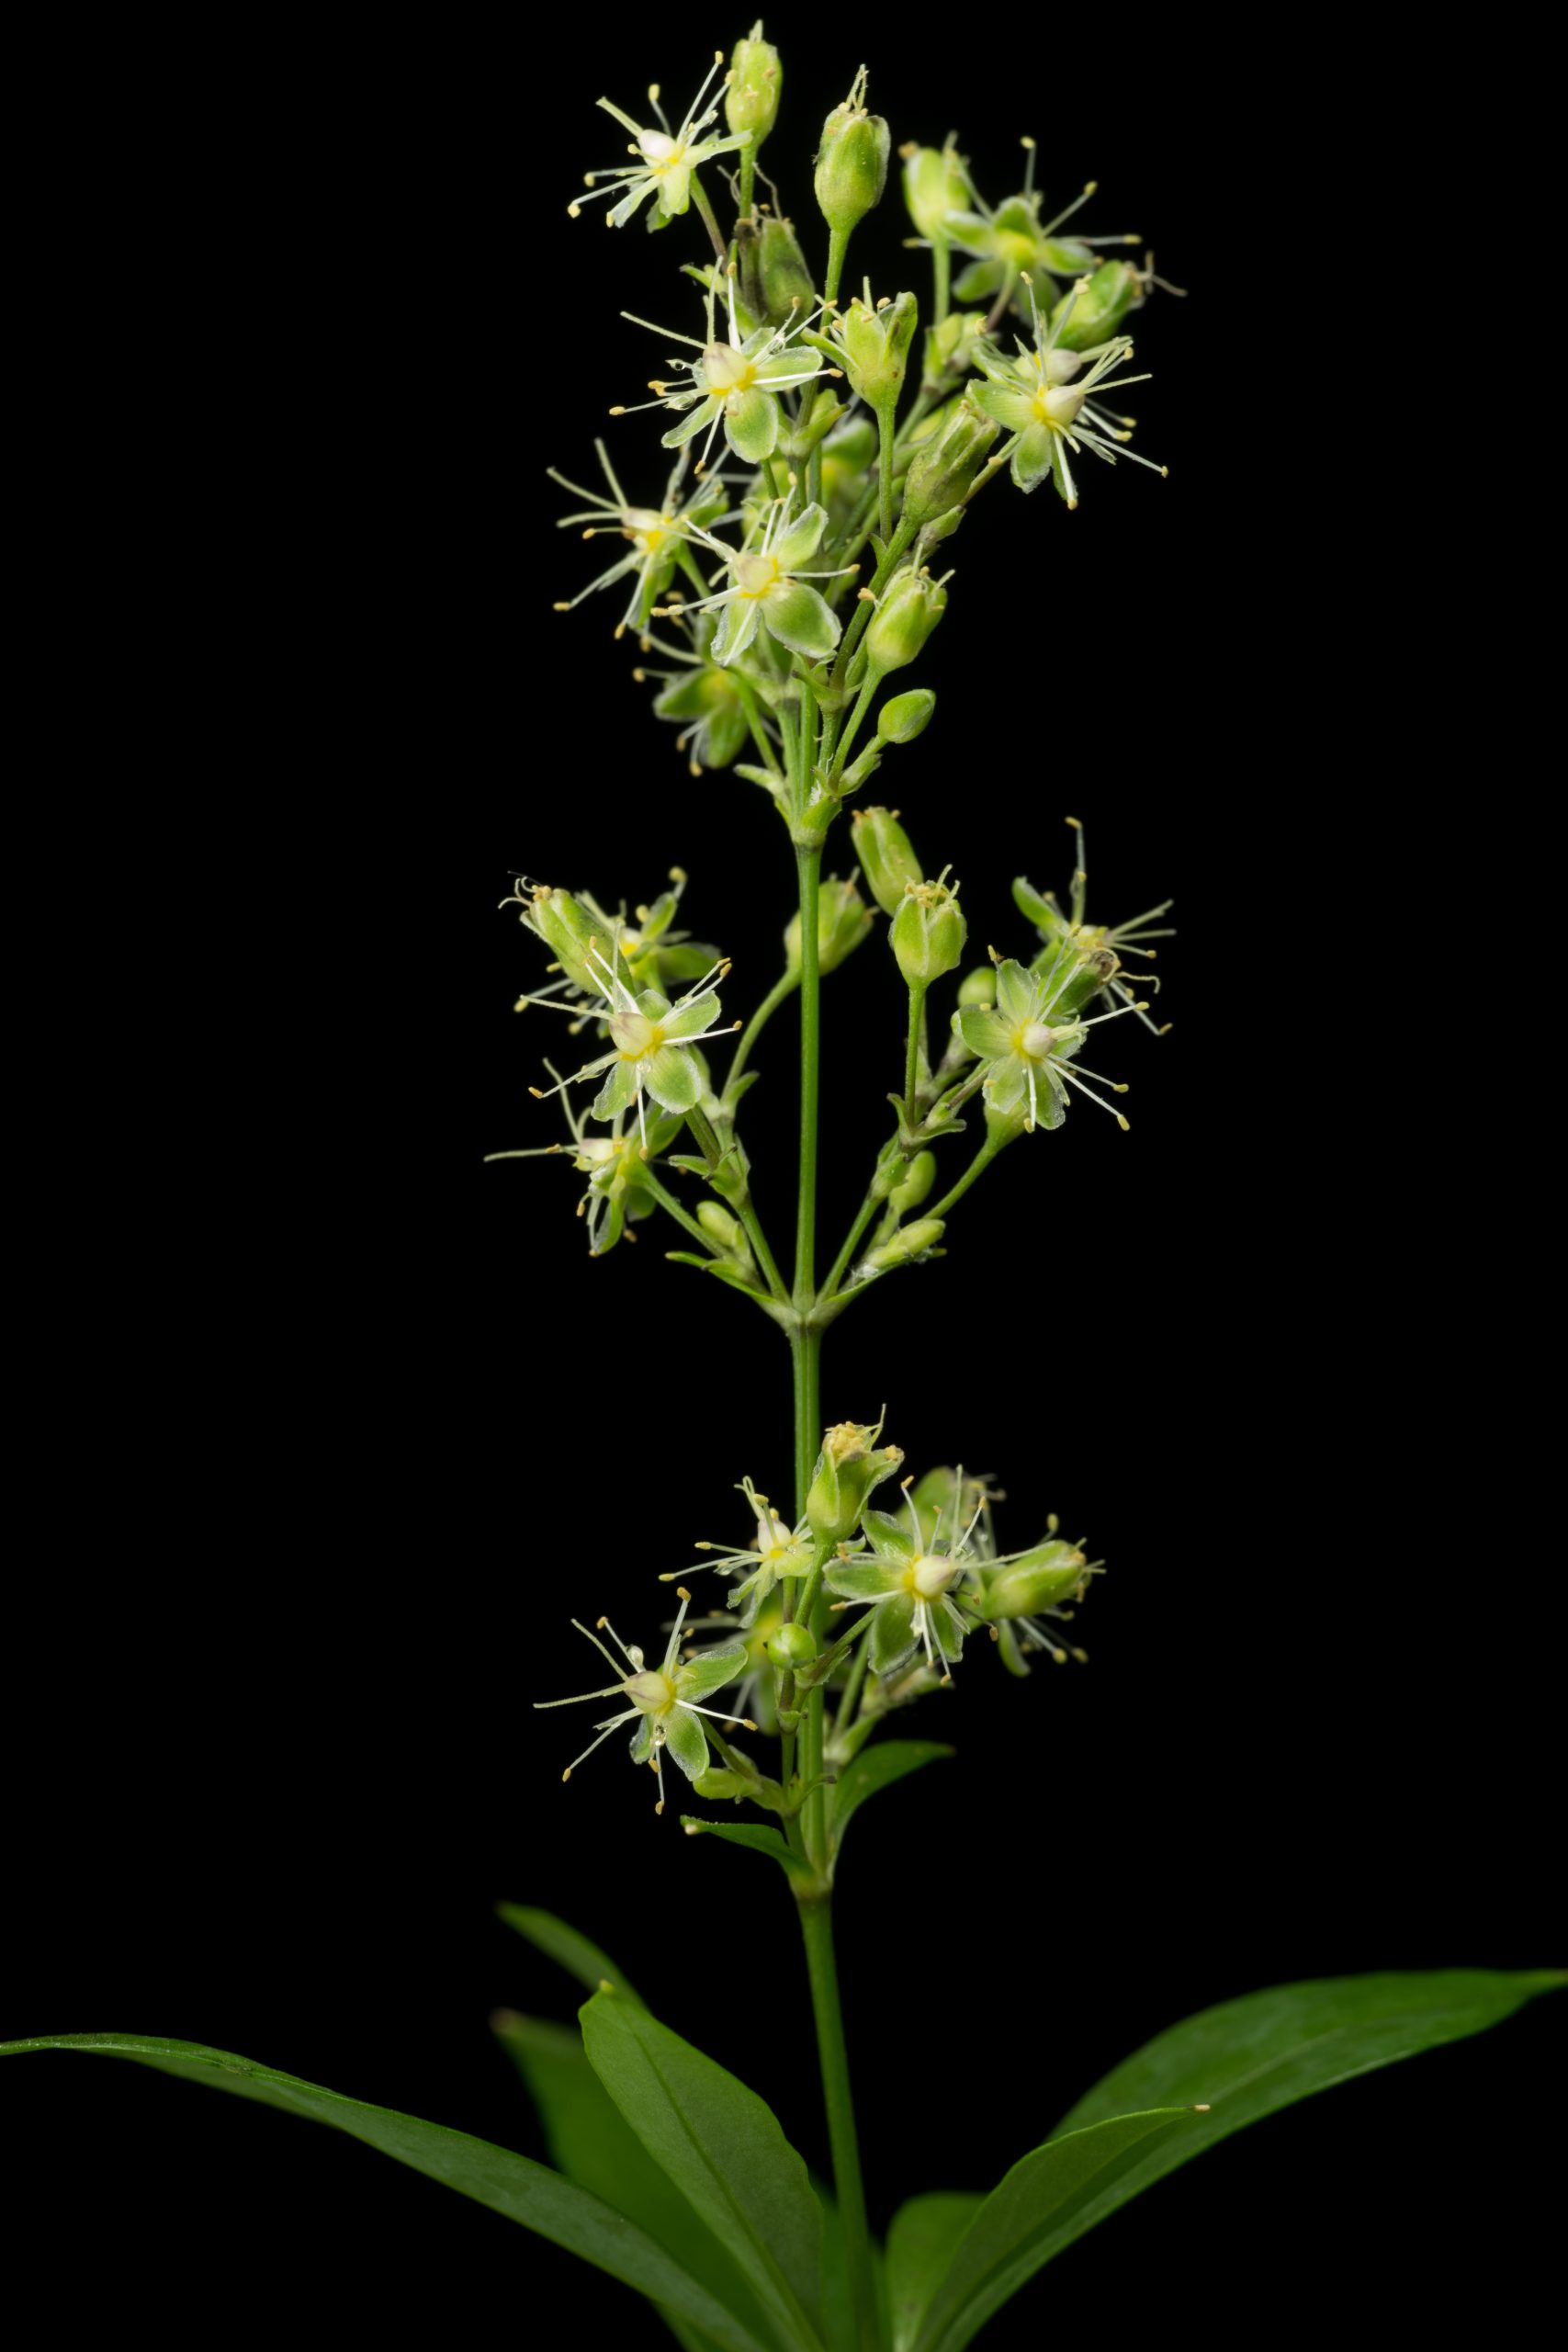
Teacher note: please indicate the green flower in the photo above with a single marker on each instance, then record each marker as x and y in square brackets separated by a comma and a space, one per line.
[650, 1049]
[703, 698]
[1035, 397]
[1020, 1599]
[907, 1581]
[656, 534]
[1012, 241]
[666, 159]
[1121, 939]
[776, 1550]
[1029, 1059]
[646, 954]
[736, 383]
[768, 590]
[663, 1700]
[613, 1165]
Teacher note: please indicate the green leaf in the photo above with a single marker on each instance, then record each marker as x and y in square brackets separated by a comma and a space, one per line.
[568, 1950]
[875, 1769]
[1030, 2216]
[1246, 2057]
[509, 2184]
[920, 2248]
[723, 2149]
[590, 2140]
[759, 1839]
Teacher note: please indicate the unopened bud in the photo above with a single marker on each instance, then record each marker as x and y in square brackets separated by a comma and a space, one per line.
[935, 187]
[929, 933]
[887, 855]
[775, 283]
[851, 162]
[904, 716]
[752, 101]
[571, 934]
[942, 473]
[850, 1466]
[1033, 1581]
[916, 1183]
[902, 620]
[875, 345]
[978, 987]
[792, 1646]
[1098, 309]
[1095, 966]
[843, 918]
[909, 1242]
[720, 1226]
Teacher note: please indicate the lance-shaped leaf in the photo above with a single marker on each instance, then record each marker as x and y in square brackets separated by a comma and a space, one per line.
[1027, 2218]
[723, 2150]
[1245, 2058]
[875, 1769]
[568, 1950]
[757, 1839]
[591, 2143]
[921, 2246]
[509, 2184]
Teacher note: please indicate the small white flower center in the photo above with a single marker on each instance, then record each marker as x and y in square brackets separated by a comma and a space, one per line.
[648, 529]
[1034, 1041]
[651, 1693]
[726, 369]
[756, 575]
[635, 1035]
[660, 151]
[1057, 407]
[929, 1575]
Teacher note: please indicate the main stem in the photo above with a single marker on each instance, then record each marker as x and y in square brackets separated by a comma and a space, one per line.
[809, 862]
[817, 1927]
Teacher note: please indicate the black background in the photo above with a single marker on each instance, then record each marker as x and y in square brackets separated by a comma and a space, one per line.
[287, 1812]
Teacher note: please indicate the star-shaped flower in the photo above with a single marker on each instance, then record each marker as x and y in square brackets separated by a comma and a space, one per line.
[768, 589]
[776, 1550]
[1122, 939]
[1012, 242]
[663, 1700]
[735, 382]
[1037, 397]
[1029, 1057]
[907, 1580]
[666, 158]
[650, 1049]
[656, 534]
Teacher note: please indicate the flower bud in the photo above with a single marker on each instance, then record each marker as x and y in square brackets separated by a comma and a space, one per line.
[910, 1241]
[775, 283]
[874, 344]
[722, 1228]
[902, 620]
[851, 162]
[905, 716]
[1096, 966]
[916, 1183]
[942, 473]
[929, 933]
[849, 1469]
[1032, 1581]
[887, 855]
[978, 987]
[792, 1645]
[1095, 312]
[752, 100]
[935, 187]
[843, 918]
[862, 772]
[571, 933]
[950, 347]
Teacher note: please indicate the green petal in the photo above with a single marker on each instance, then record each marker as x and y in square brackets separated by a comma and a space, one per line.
[671, 1079]
[985, 1033]
[642, 1741]
[1032, 458]
[751, 424]
[1007, 1086]
[1015, 991]
[687, 430]
[710, 1673]
[864, 1580]
[796, 615]
[888, 1538]
[892, 1637]
[1006, 404]
[691, 1020]
[684, 1740]
[617, 1092]
[802, 539]
[737, 621]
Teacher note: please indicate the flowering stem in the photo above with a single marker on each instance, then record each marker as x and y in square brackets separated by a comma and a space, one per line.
[868, 1209]
[845, 743]
[884, 470]
[682, 1214]
[977, 1167]
[699, 197]
[857, 628]
[748, 173]
[712, 1152]
[782, 988]
[912, 1054]
[810, 862]
[748, 694]
[838, 246]
[942, 273]
[806, 1348]
[817, 1927]
[771, 471]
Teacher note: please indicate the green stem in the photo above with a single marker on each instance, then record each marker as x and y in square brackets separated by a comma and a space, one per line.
[712, 1152]
[838, 246]
[817, 1927]
[700, 199]
[942, 273]
[748, 694]
[884, 470]
[681, 1215]
[844, 744]
[896, 548]
[770, 471]
[977, 1167]
[912, 1056]
[782, 988]
[748, 173]
[806, 1349]
[846, 1714]
[809, 864]
[868, 1209]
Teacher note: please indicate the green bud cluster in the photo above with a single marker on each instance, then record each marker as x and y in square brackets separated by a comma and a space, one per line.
[887, 855]
[874, 345]
[941, 472]
[756, 77]
[903, 621]
[851, 161]
[850, 1468]
[936, 187]
[929, 933]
